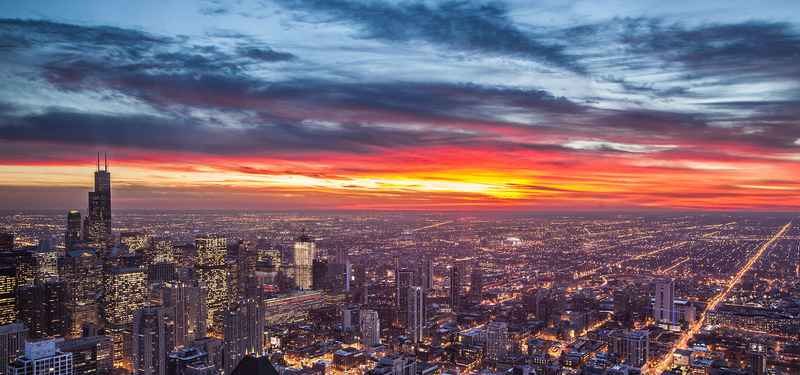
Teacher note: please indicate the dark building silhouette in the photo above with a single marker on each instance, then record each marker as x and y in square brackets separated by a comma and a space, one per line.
[455, 287]
[73, 233]
[6, 242]
[97, 224]
[250, 365]
[477, 284]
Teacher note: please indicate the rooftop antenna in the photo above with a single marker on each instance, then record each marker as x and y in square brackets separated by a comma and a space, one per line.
[98, 160]
[105, 157]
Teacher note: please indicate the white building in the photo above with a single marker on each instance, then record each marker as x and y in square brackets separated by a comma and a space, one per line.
[416, 312]
[370, 329]
[496, 340]
[41, 357]
[664, 308]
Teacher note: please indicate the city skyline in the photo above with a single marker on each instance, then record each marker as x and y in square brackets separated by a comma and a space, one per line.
[451, 105]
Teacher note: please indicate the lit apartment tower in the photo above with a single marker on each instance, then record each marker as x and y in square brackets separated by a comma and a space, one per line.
[339, 273]
[622, 300]
[638, 348]
[370, 329]
[153, 338]
[665, 301]
[403, 280]
[342, 254]
[125, 290]
[212, 270]
[455, 287]
[173, 294]
[6, 242]
[477, 284]
[197, 296]
[97, 224]
[90, 355]
[159, 251]
[73, 234]
[304, 253]
[496, 340]
[81, 276]
[41, 357]
[8, 288]
[417, 307]
[244, 331]
[136, 242]
[758, 359]
[425, 274]
[12, 342]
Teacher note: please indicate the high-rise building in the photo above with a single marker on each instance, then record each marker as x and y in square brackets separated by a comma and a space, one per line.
[339, 274]
[197, 296]
[622, 300]
[125, 290]
[153, 338]
[638, 348]
[41, 357]
[6, 242]
[211, 269]
[342, 254]
[81, 277]
[12, 342]
[351, 318]
[417, 307]
[159, 251]
[496, 340]
[304, 254]
[178, 362]
[319, 274]
[97, 224]
[455, 287]
[663, 311]
[370, 329]
[403, 279]
[758, 358]
[244, 331]
[477, 284]
[425, 275]
[174, 295]
[73, 234]
[135, 241]
[90, 355]
[8, 288]
[46, 265]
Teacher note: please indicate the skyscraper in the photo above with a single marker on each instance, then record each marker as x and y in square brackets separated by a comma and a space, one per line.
[455, 287]
[81, 276]
[370, 329]
[304, 253]
[477, 284]
[6, 242]
[159, 251]
[416, 312]
[73, 234]
[496, 340]
[638, 348]
[97, 224]
[90, 355]
[136, 242]
[244, 331]
[664, 308]
[212, 270]
[8, 288]
[153, 339]
[173, 295]
[125, 290]
[426, 275]
[197, 297]
[12, 342]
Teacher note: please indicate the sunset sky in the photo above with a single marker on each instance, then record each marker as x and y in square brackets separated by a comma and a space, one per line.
[440, 105]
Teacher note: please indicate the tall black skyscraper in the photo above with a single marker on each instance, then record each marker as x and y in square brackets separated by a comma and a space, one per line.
[97, 224]
[455, 287]
[477, 284]
[73, 234]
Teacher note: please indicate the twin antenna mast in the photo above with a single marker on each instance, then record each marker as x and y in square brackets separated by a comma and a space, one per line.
[105, 159]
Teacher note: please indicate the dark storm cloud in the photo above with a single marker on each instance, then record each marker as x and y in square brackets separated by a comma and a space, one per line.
[265, 54]
[187, 134]
[461, 26]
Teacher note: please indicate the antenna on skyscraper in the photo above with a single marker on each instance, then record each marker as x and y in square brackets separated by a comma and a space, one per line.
[105, 157]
